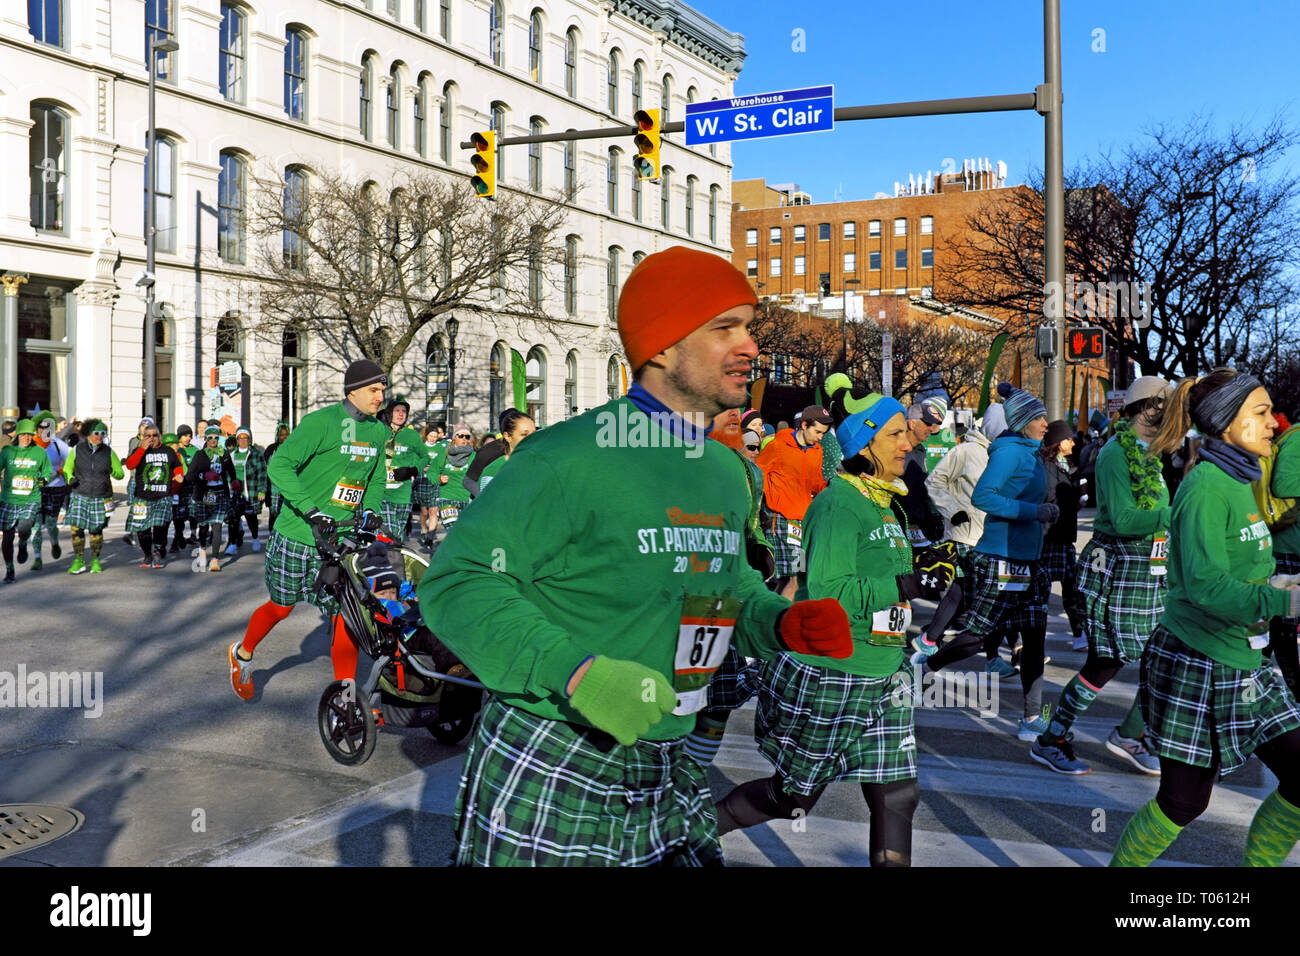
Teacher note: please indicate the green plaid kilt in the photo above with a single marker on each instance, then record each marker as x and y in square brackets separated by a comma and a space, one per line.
[818, 725]
[990, 610]
[275, 501]
[1122, 599]
[203, 512]
[1288, 563]
[155, 513]
[733, 683]
[12, 512]
[1198, 710]
[181, 507]
[789, 557]
[1059, 561]
[395, 515]
[88, 514]
[537, 792]
[53, 500]
[130, 487]
[290, 571]
[423, 494]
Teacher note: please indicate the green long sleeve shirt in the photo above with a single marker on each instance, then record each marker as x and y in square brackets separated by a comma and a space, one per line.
[581, 547]
[1286, 484]
[331, 461]
[1117, 511]
[855, 548]
[1220, 559]
[405, 449]
[22, 473]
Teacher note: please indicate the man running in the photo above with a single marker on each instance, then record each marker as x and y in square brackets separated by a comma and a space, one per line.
[24, 470]
[332, 465]
[246, 502]
[599, 584]
[208, 482]
[54, 494]
[90, 470]
[157, 472]
[792, 475]
[404, 458]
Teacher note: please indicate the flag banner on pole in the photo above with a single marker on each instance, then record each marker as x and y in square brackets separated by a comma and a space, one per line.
[518, 381]
[994, 352]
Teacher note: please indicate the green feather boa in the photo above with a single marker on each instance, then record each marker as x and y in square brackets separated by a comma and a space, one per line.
[1143, 468]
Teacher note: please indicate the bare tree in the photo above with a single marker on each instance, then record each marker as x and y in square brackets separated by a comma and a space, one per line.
[1207, 224]
[368, 267]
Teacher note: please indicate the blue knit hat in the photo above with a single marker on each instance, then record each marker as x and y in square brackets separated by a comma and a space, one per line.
[867, 417]
[1020, 407]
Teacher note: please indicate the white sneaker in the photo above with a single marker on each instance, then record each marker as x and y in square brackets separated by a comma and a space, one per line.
[232, 550]
[257, 545]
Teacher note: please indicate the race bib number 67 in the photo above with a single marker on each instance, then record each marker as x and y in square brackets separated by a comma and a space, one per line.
[703, 639]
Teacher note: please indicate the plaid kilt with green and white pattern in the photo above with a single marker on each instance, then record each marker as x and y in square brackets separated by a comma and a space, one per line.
[733, 683]
[214, 511]
[290, 570]
[818, 725]
[241, 505]
[181, 507]
[155, 513]
[1288, 563]
[1122, 599]
[275, 501]
[395, 515]
[12, 512]
[537, 792]
[992, 610]
[88, 514]
[423, 494]
[53, 500]
[789, 557]
[1198, 710]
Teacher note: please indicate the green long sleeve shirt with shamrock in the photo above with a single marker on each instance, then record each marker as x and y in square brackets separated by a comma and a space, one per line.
[22, 473]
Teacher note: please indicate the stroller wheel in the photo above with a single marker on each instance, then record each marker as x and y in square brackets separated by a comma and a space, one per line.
[451, 731]
[346, 727]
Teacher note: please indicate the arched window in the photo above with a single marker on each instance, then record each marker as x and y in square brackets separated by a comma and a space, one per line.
[665, 106]
[47, 152]
[160, 25]
[713, 213]
[419, 112]
[535, 127]
[571, 385]
[295, 206]
[611, 103]
[571, 275]
[611, 198]
[436, 375]
[367, 104]
[445, 121]
[499, 377]
[230, 207]
[665, 197]
[535, 46]
[496, 31]
[230, 60]
[164, 347]
[45, 21]
[615, 380]
[690, 204]
[499, 127]
[571, 63]
[611, 282]
[638, 83]
[395, 107]
[535, 386]
[293, 374]
[164, 223]
[295, 73]
[230, 339]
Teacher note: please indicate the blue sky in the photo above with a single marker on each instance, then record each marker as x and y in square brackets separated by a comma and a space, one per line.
[1164, 61]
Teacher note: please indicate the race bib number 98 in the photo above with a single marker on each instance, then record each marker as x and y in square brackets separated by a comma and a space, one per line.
[889, 625]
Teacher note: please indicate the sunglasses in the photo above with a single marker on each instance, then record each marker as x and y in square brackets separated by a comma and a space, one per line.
[99, 433]
[462, 435]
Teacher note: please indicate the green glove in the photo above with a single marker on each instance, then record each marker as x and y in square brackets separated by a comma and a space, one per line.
[623, 698]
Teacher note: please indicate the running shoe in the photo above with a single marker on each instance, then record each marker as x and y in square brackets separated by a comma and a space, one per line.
[94, 566]
[37, 565]
[1135, 751]
[146, 563]
[78, 565]
[257, 545]
[129, 540]
[1080, 642]
[241, 674]
[160, 558]
[55, 551]
[922, 645]
[1058, 755]
[22, 552]
[1033, 729]
[9, 574]
[1000, 668]
[232, 549]
[214, 565]
[200, 564]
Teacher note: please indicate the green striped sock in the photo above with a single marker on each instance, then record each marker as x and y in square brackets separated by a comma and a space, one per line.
[1076, 698]
[1133, 725]
[1273, 832]
[705, 740]
[1147, 835]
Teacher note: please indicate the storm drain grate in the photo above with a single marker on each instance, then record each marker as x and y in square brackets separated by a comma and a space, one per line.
[26, 826]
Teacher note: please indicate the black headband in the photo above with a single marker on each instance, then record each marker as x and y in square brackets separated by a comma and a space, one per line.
[1216, 411]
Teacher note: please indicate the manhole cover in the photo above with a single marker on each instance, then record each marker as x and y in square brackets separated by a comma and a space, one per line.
[25, 826]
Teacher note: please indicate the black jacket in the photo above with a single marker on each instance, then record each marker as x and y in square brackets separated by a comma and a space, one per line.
[197, 485]
[92, 470]
[1063, 494]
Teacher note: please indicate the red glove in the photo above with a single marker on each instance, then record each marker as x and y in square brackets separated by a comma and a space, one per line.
[237, 486]
[818, 628]
[211, 476]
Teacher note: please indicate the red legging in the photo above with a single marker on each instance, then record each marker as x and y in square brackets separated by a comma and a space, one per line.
[343, 650]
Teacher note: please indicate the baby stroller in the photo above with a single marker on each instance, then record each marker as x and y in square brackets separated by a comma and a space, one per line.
[415, 680]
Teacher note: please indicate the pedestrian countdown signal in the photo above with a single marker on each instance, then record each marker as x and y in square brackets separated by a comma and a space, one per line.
[1084, 344]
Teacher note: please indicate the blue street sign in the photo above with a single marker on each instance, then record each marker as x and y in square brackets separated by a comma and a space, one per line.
[761, 115]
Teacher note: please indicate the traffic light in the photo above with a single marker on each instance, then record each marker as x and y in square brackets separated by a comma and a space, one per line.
[1085, 343]
[647, 145]
[484, 159]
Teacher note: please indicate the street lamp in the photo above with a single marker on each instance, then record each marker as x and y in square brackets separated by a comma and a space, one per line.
[156, 46]
[452, 327]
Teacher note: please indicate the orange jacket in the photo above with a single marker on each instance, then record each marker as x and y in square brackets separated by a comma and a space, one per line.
[791, 474]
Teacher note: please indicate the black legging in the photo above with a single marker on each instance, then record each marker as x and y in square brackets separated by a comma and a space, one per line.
[1286, 653]
[1098, 671]
[235, 533]
[1185, 790]
[147, 536]
[23, 529]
